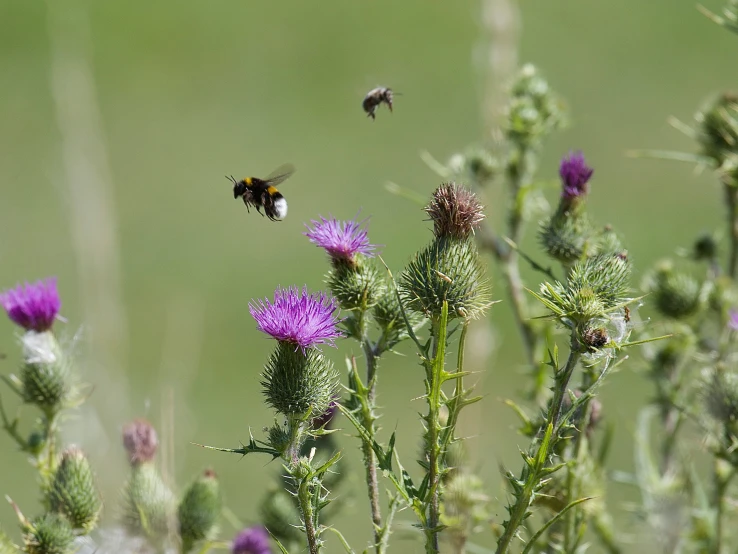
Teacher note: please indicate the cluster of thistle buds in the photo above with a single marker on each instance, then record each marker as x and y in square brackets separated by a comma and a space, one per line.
[46, 380]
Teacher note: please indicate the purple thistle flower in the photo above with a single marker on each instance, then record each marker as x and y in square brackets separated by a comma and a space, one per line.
[302, 319]
[342, 240]
[253, 540]
[32, 306]
[733, 320]
[575, 174]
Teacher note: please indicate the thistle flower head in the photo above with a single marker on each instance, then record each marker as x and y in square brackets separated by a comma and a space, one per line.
[140, 441]
[455, 211]
[342, 240]
[253, 540]
[575, 175]
[302, 319]
[32, 306]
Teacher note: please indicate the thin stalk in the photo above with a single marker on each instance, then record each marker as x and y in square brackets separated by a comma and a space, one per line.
[731, 198]
[722, 475]
[433, 434]
[368, 419]
[305, 500]
[533, 475]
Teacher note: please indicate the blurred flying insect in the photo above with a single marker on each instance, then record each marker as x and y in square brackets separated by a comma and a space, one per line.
[263, 193]
[375, 98]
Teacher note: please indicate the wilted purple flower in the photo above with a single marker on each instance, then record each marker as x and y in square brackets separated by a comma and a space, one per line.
[733, 320]
[341, 239]
[575, 174]
[253, 540]
[32, 306]
[304, 319]
[327, 416]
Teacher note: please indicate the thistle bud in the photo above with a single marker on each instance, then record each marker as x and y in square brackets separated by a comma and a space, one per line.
[46, 377]
[388, 316]
[73, 492]
[356, 286]
[676, 294]
[455, 211]
[720, 396]
[566, 239]
[705, 248]
[147, 504]
[449, 269]
[718, 125]
[49, 534]
[297, 383]
[140, 441]
[534, 110]
[199, 510]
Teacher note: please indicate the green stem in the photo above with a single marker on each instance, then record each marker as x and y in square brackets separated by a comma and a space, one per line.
[305, 499]
[434, 374]
[722, 475]
[731, 198]
[533, 472]
[368, 420]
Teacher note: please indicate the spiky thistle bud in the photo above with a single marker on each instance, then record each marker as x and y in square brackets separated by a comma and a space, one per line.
[49, 534]
[388, 316]
[718, 126]
[449, 269]
[148, 505]
[534, 109]
[73, 492]
[46, 377]
[568, 235]
[297, 383]
[455, 211]
[596, 287]
[675, 294]
[719, 392]
[705, 248]
[199, 510]
[140, 441]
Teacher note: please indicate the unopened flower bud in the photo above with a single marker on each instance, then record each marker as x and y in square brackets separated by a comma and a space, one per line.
[49, 534]
[718, 124]
[140, 441]
[455, 211]
[676, 294]
[297, 383]
[279, 513]
[148, 504]
[73, 492]
[199, 510]
[46, 376]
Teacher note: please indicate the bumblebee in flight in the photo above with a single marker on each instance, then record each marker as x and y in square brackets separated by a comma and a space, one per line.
[263, 193]
[376, 97]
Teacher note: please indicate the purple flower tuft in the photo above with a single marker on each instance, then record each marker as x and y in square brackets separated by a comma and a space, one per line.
[575, 174]
[303, 319]
[341, 239]
[253, 540]
[733, 320]
[32, 306]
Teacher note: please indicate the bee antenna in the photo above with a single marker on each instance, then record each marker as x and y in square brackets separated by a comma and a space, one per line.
[231, 178]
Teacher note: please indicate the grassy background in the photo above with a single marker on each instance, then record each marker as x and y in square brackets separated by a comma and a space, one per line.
[189, 91]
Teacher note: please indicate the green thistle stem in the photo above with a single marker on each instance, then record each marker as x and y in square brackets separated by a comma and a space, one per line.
[434, 380]
[368, 422]
[722, 475]
[305, 499]
[731, 197]
[532, 474]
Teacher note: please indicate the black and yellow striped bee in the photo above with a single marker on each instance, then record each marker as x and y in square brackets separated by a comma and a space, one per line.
[263, 193]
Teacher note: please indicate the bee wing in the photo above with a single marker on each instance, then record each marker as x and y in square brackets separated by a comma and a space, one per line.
[280, 174]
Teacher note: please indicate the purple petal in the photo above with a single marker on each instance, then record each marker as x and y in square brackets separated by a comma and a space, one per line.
[33, 306]
[302, 319]
[253, 540]
[575, 174]
[341, 239]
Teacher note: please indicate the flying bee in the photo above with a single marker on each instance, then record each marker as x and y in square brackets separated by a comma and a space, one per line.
[376, 97]
[263, 193]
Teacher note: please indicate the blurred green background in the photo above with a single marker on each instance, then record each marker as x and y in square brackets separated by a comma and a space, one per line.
[122, 196]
